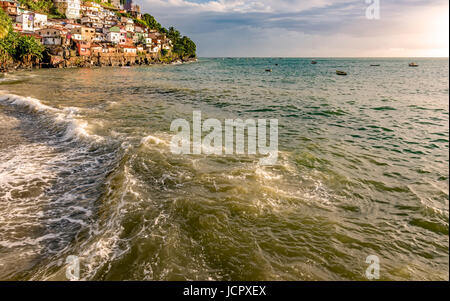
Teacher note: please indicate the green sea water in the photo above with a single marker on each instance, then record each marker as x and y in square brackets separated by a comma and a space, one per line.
[86, 170]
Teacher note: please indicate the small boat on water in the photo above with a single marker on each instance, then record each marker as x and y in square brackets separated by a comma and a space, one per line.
[313, 62]
[374, 65]
[338, 72]
[268, 70]
[413, 65]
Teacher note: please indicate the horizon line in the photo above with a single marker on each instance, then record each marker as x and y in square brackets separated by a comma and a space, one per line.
[331, 57]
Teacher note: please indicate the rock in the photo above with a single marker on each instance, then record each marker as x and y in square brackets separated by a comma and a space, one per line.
[65, 57]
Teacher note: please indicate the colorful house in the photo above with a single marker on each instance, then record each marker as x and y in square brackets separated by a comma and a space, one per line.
[96, 48]
[26, 21]
[39, 21]
[83, 48]
[17, 27]
[129, 49]
[83, 33]
[117, 35]
[50, 36]
[9, 6]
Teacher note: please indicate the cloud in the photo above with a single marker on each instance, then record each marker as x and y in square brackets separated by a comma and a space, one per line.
[296, 27]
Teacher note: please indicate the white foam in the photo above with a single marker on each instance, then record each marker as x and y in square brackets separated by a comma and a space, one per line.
[41, 198]
[153, 139]
[66, 117]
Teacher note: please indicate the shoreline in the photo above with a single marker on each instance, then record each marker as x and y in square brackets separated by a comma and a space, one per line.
[94, 61]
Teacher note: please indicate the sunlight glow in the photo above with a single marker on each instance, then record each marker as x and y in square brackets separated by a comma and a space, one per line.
[438, 34]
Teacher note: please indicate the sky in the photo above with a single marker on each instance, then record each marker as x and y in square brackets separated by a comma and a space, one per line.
[313, 28]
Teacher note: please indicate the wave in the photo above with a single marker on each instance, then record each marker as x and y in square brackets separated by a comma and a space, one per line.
[52, 174]
[60, 119]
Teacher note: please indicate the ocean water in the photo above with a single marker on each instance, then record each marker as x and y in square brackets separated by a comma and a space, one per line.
[86, 170]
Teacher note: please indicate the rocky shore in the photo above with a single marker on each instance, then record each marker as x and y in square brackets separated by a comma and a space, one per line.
[63, 58]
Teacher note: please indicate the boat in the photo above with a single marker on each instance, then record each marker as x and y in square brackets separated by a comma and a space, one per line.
[268, 70]
[374, 65]
[338, 72]
[313, 62]
[413, 65]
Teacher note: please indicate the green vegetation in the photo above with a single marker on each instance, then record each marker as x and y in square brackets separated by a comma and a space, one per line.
[40, 6]
[182, 46]
[43, 6]
[5, 24]
[105, 5]
[5, 27]
[56, 14]
[29, 48]
[140, 22]
[20, 48]
[151, 22]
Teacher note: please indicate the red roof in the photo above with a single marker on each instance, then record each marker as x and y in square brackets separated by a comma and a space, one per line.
[127, 46]
[31, 35]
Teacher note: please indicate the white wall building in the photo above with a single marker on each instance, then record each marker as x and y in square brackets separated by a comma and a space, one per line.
[40, 21]
[154, 49]
[99, 37]
[129, 26]
[71, 8]
[72, 25]
[25, 19]
[129, 49]
[116, 35]
[50, 36]
[113, 37]
[77, 36]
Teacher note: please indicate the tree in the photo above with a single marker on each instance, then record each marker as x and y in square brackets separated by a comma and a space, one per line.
[189, 47]
[20, 48]
[29, 48]
[173, 34]
[151, 22]
[9, 44]
[5, 24]
[40, 6]
[185, 47]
